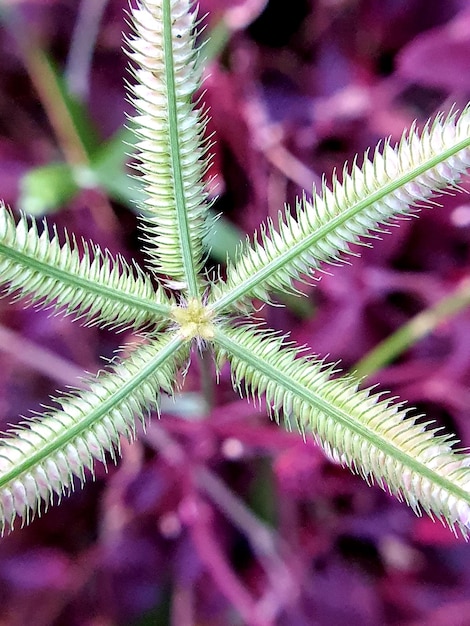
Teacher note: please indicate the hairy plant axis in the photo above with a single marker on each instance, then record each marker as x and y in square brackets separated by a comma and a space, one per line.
[374, 437]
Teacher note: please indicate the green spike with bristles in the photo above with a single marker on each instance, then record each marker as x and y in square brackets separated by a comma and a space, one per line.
[374, 437]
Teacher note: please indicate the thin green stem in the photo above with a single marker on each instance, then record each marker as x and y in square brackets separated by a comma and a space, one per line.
[207, 379]
[414, 330]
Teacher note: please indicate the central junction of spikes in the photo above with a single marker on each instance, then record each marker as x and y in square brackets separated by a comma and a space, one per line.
[195, 320]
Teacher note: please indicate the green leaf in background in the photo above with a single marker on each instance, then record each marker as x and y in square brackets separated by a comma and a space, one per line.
[46, 189]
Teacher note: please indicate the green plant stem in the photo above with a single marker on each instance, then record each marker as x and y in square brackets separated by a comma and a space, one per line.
[45, 83]
[414, 330]
[207, 379]
[58, 105]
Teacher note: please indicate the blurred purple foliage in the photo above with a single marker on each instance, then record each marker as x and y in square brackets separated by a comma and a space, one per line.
[226, 519]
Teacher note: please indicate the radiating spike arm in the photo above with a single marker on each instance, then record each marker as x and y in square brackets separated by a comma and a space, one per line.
[41, 456]
[94, 285]
[172, 153]
[372, 436]
[392, 184]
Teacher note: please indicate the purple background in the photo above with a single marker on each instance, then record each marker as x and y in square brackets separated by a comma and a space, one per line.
[229, 520]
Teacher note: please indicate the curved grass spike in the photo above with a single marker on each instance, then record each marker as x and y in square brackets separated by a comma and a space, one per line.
[375, 438]
[94, 287]
[390, 186]
[171, 149]
[41, 456]
[356, 428]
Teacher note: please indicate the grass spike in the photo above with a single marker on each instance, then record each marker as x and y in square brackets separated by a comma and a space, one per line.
[391, 184]
[94, 286]
[172, 151]
[368, 433]
[41, 456]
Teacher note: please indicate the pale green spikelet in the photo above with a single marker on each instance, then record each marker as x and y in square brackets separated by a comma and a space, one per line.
[387, 187]
[171, 149]
[356, 428]
[94, 286]
[41, 456]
